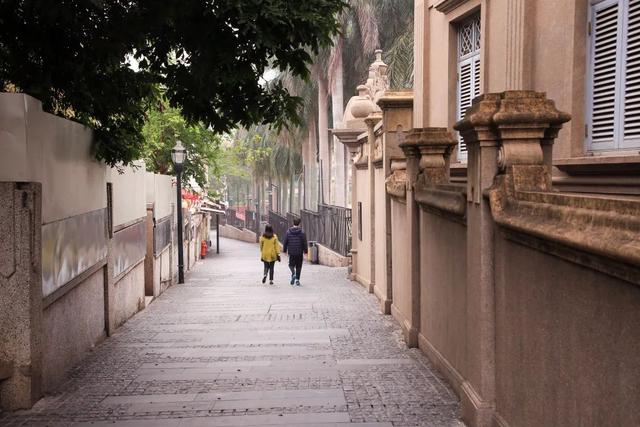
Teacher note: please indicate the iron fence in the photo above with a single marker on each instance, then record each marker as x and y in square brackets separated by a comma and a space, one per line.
[330, 226]
[279, 223]
[251, 220]
[233, 220]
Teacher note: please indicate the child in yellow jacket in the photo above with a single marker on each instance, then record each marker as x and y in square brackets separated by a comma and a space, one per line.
[269, 252]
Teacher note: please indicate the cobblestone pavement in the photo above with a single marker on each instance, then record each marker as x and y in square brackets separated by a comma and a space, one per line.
[226, 350]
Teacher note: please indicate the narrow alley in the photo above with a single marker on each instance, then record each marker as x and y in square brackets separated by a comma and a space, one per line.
[226, 350]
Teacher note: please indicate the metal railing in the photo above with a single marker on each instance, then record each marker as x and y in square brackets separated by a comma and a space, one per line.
[330, 226]
[233, 220]
[251, 220]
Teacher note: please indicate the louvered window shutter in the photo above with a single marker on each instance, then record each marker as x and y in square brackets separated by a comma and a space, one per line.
[604, 67]
[468, 71]
[632, 77]
[466, 93]
[614, 102]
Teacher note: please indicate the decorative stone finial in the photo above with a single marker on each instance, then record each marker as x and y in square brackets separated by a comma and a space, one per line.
[361, 105]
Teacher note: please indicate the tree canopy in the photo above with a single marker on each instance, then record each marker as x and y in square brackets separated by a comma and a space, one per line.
[100, 62]
[163, 127]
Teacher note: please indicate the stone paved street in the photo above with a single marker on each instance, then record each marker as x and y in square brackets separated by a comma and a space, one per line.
[225, 350]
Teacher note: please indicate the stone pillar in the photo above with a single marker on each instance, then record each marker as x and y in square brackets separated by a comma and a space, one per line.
[478, 391]
[397, 116]
[412, 153]
[503, 131]
[421, 63]
[349, 137]
[20, 294]
[354, 214]
[371, 121]
[435, 146]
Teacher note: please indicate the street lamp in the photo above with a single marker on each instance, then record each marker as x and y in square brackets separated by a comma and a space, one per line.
[179, 155]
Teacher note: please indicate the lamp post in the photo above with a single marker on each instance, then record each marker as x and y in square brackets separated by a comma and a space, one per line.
[179, 155]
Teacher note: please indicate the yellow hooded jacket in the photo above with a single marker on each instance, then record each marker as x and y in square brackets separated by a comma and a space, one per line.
[269, 248]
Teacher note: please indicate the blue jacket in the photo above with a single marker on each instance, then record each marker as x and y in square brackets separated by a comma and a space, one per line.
[295, 242]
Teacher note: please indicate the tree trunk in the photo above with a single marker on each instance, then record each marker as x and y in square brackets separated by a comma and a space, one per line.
[311, 179]
[291, 186]
[323, 141]
[300, 193]
[337, 109]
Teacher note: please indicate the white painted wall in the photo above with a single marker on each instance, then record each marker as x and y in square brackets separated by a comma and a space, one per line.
[40, 147]
[129, 201]
[161, 192]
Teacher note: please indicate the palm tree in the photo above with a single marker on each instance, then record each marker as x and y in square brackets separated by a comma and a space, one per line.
[366, 26]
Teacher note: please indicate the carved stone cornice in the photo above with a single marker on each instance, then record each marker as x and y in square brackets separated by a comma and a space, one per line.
[396, 184]
[522, 121]
[447, 199]
[362, 163]
[350, 138]
[598, 232]
[378, 162]
[446, 6]
[396, 99]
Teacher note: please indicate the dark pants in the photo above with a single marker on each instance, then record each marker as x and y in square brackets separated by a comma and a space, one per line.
[269, 267]
[295, 265]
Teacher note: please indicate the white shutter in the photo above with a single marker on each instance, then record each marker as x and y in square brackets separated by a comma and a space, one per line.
[476, 76]
[604, 67]
[468, 88]
[465, 96]
[631, 136]
[468, 85]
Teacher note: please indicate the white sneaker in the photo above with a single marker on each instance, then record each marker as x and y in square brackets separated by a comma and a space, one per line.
[298, 283]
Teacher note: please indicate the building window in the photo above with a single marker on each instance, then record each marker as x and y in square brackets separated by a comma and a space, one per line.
[613, 110]
[468, 71]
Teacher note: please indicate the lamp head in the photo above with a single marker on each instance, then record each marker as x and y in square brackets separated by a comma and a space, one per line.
[178, 155]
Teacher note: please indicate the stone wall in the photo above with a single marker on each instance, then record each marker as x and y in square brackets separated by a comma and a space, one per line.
[566, 341]
[523, 296]
[330, 258]
[231, 232]
[76, 232]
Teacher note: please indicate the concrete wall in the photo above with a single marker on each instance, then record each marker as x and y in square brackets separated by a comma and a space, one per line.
[380, 243]
[160, 270]
[72, 326]
[53, 151]
[400, 259]
[128, 248]
[129, 194]
[231, 232]
[363, 273]
[330, 258]
[86, 282]
[128, 295]
[567, 344]
[443, 296]
[161, 192]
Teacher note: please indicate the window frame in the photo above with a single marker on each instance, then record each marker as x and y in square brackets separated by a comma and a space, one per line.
[618, 142]
[461, 60]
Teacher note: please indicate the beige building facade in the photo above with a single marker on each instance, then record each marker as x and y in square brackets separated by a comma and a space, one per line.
[581, 53]
[496, 206]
